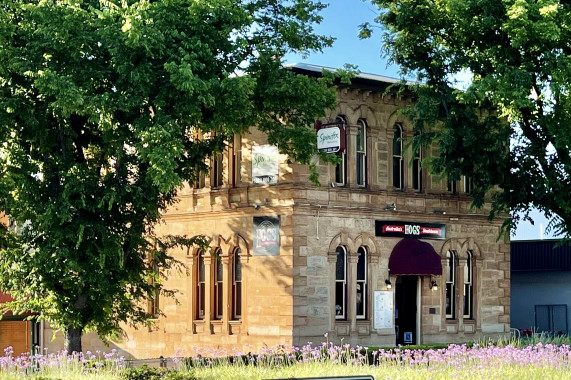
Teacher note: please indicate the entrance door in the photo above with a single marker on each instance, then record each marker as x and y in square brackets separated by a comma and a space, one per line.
[405, 309]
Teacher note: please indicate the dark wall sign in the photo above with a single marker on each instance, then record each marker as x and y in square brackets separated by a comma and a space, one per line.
[410, 229]
[266, 236]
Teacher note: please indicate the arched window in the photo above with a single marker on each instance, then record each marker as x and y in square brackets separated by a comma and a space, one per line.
[398, 163]
[341, 283]
[417, 170]
[468, 286]
[341, 168]
[361, 158]
[201, 286]
[236, 285]
[362, 283]
[450, 288]
[218, 284]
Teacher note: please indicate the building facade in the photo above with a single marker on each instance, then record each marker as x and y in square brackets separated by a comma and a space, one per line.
[540, 286]
[382, 253]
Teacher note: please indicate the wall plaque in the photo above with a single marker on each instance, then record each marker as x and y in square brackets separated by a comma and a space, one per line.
[383, 309]
[266, 236]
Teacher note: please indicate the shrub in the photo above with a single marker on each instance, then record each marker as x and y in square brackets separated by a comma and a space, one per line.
[155, 373]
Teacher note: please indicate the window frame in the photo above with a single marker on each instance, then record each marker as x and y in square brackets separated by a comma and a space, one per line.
[450, 287]
[417, 169]
[200, 286]
[236, 155]
[361, 282]
[340, 176]
[341, 284]
[397, 161]
[451, 187]
[237, 294]
[217, 170]
[468, 291]
[468, 184]
[361, 153]
[154, 302]
[218, 283]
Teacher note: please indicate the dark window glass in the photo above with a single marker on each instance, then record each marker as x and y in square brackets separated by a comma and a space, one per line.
[341, 283]
[237, 285]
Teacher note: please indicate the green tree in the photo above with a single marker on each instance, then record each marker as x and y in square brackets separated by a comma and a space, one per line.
[99, 103]
[509, 126]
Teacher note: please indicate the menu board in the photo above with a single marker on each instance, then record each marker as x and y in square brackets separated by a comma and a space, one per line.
[383, 309]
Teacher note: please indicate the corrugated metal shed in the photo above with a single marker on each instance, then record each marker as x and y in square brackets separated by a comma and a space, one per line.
[540, 255]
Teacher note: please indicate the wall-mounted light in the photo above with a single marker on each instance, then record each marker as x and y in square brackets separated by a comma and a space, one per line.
[433, 285]
[388, 283]
[256, 206]
[440, 212]
[332, 184]
[391, 207]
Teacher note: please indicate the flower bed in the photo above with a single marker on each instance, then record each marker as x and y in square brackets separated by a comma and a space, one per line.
[327, 359]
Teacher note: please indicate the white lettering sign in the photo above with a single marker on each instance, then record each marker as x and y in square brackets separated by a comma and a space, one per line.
[329, 139]
[265, 164]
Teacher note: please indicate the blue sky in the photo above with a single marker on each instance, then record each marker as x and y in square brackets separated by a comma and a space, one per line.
[341, 20]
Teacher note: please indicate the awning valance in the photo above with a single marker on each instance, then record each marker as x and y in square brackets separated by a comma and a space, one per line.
[414, 257]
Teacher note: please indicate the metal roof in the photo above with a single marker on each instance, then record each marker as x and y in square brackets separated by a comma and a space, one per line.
[540, 255]
[360, 76]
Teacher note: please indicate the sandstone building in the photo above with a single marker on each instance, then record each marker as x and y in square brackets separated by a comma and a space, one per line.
[381, 254]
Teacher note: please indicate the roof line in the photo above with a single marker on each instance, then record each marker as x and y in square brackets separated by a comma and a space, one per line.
[372, 77]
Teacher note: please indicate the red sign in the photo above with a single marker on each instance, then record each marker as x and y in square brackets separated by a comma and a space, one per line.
[388, 228]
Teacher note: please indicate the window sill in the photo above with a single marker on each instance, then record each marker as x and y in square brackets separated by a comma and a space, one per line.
[452, 326]
[235, 327]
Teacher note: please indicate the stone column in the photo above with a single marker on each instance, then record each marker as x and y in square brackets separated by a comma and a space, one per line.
[226, 281]
[191, 293]
[460, 292]
[444, 262]
[208, 306]
[352, 260]
[332, 261]
[477, 289]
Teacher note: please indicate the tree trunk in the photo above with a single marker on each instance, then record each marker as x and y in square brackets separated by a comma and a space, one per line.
[72, 339]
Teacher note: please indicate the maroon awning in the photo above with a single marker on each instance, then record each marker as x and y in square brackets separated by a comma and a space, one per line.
[414, 257]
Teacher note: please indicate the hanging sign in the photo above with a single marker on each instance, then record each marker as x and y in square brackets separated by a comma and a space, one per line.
[266, 240]
[330, 137]
[410, 229]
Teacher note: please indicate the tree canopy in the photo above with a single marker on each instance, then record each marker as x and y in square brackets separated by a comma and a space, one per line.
[508, 126]
[100, 103]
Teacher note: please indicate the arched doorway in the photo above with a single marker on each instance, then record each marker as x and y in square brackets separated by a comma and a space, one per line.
[406, 310]
[410, 259]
